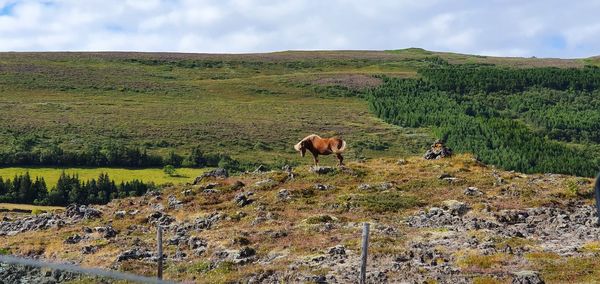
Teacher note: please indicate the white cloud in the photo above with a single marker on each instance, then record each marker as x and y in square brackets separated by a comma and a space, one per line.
[497, 27]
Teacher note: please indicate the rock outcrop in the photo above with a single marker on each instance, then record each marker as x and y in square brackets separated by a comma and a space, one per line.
[437, 151]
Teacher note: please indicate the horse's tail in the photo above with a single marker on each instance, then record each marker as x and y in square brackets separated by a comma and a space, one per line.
[341, 148]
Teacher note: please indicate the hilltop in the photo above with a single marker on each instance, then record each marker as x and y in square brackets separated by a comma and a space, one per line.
[452, 219]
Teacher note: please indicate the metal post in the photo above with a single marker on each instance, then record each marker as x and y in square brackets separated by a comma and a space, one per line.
[363, 255]
[160, 251]
[597, 195]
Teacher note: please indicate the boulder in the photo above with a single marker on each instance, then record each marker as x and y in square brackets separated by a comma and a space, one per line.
[173, 202]
[284, 194]
[89, 249]
[120, 214]
[456, 208]
[437, 151]
[135, 253]
[321, 170]
[473, 191]
[73, 239]
[107, 231]
[337, 250]
[243, 199]
[160, 218]
[319, 186]
[75, 211]
[527, 277]
[378, 186]
[216, 173]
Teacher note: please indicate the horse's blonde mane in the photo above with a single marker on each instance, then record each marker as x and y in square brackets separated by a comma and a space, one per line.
[297, 146]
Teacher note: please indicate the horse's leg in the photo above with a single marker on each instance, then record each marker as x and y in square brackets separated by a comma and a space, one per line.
[340, 158]
[316, 160]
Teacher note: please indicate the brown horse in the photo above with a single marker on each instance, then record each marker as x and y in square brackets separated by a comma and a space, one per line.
[321, 146]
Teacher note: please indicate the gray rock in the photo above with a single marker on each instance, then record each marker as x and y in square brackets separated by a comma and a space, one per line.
[378, 186]
[527, 277]
[107, 231]
[120, 214]
[445, 176]
[473, 191]
[284, 194]
[75, 211]
[437, 151]
[216, 173]
[242, 199]
[173, 202]
[246, 252]
[455, 207]
[73, 239]
[196, 242]
[321, 170]
[319, 186]
[29, 274]
[337, 250]
[135, 253]
[161, 218]
[89, 249]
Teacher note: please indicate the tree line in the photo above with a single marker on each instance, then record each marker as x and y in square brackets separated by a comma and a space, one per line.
[112, 155]
[477, 78]
[69, 189]
[506, 117]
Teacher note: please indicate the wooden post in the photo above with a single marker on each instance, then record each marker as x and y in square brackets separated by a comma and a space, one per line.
[160, 251]
[597, 195]
[363, 255]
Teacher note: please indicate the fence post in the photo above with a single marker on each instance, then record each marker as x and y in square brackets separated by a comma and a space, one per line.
[363, 254]
[597, 195]
[160, 251]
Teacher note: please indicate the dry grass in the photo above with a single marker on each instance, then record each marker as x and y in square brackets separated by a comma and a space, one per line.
[302, 218]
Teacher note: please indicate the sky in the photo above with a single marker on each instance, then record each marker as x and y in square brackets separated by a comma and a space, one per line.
[541, 28]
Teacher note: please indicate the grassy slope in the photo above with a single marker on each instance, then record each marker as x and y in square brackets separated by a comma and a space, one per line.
[416, 186]
[225, 103]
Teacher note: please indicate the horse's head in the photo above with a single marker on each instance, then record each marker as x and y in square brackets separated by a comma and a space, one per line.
[306, 143]
[301, 146]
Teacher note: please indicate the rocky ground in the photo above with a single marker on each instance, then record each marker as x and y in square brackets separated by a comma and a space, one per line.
[451, 220]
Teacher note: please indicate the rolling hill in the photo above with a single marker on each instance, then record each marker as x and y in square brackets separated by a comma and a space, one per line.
[515, 203]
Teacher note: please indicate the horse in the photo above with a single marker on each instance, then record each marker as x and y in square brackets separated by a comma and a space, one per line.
[321, 146]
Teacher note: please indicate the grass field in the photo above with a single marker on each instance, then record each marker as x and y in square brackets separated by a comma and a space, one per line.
[157, 176]
[11, 206]
[253, 107]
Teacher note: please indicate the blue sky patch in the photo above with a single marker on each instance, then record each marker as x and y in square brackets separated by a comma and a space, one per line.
[7, 9]
[555, 41]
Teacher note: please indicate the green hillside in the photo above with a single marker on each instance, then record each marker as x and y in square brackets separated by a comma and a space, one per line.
[153, 109]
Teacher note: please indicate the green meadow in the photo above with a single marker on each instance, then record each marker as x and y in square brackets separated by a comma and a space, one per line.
[157, 176]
